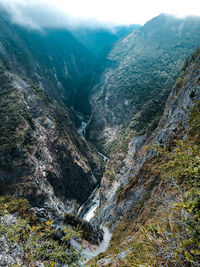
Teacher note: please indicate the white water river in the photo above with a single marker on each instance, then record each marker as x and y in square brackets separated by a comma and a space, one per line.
[90, 214]
[90, 252]
[84, 121]
[103, 156]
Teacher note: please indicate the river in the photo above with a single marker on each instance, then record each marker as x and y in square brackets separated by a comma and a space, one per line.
[84, 121]
[90, 214]
[92, 251]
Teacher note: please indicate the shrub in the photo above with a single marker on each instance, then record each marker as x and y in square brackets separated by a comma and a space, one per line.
[39, 241]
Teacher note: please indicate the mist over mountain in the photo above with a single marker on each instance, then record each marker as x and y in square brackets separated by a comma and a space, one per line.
[68, 58]
[44, 14]
[52, 58]
[101, 40]
[41, 15]
[99, 140]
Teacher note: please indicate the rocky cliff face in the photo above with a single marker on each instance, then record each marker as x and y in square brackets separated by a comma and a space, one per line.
[42, 157]
[132, 92]
[124, 194]
[128, 167]
[45, 160]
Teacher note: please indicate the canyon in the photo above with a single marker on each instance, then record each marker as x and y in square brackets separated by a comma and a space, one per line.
[77, 117]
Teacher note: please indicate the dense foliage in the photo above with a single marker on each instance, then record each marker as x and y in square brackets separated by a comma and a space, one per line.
[37, 242]
[53, 58]
[150, 60]
[101, 40]
[176, 237]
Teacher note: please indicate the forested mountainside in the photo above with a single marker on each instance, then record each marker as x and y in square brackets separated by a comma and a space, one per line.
[55, 59]
[150, 197]
[52, 58]
[57, 190]
[42, 157]
[145, 65]
[101, 40]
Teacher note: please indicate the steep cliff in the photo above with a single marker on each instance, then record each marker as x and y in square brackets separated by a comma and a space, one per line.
[42, 157]
[145, 65]
[151, 202]
[52, 58]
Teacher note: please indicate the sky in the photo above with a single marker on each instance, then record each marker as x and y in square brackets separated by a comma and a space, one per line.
[73, 13]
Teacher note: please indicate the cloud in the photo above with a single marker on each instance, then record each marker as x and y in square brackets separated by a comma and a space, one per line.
[45, 14]
[38, 14]
[73, 13]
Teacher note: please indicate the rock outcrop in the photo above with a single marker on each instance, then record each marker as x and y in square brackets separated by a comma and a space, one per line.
[42, 156]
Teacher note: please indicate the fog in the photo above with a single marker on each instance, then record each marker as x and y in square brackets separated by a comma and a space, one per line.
[40, 14]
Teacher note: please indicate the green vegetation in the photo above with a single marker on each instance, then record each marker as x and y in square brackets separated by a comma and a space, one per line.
[15, 119]
[172, 235]
[39, 241]
[150, 60]
[164, 228]
[194, 131]
[109, 174]
[147, 119]
[54, 58]
[38, 91]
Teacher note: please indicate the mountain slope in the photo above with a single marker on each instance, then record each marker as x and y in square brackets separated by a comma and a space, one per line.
[42, 157]
[101, 40]
[151, 203]
[132, 92]
[53, 58]
[45, 160]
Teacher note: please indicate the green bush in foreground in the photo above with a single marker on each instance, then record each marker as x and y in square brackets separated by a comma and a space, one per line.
[180, 233]
[39, 242]
[166, 228]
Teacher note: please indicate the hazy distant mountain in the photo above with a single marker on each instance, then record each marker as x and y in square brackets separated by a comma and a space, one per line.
[52, 58]
[145, 65]
[100, 40]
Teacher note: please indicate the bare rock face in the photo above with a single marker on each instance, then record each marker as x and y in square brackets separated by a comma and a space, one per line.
[134, 175]
[42, 157]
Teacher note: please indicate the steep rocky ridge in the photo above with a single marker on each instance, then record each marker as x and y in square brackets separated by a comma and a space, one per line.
[42, 157]
[128, 194]
[53, 58]
[145, 65]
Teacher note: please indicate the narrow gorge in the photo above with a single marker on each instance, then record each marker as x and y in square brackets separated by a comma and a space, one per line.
[99, 144]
